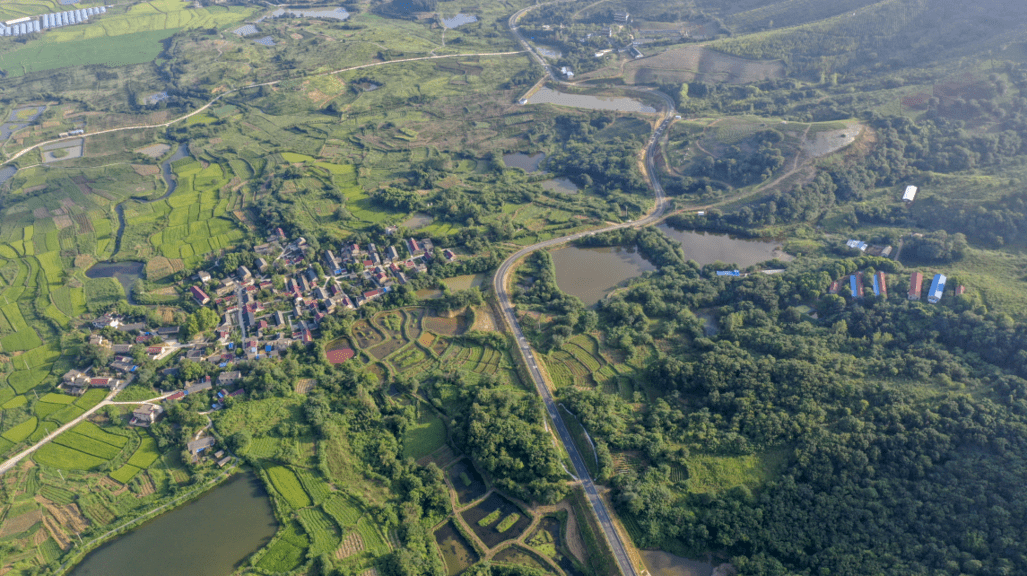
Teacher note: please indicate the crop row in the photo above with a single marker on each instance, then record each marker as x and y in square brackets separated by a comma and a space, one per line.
[345, 511]
[323, 532]
[288, 486]
[87, 445]
[315, 486]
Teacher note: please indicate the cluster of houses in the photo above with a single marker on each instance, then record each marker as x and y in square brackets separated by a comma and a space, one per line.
[308, 295]
[878, 283]
[881, 251]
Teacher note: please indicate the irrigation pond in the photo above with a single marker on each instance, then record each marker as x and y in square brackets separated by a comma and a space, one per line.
[707, 248]
[592, 273]
[210, 536]
[528, 163]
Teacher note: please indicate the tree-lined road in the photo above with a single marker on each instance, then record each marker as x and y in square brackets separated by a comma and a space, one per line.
[499, 284]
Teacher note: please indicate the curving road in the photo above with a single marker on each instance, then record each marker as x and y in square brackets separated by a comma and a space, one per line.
[499, 284]
[11, 462]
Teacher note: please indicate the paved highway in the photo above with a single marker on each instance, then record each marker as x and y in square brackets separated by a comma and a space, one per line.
[530, 360]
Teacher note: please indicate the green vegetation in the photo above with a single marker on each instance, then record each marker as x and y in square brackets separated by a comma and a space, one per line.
[427, 436]
[491, 518]
[508, 522]
[288, 486]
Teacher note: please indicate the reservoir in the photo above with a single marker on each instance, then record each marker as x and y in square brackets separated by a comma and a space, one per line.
[592, 273]
[707, 248]
[207, 537]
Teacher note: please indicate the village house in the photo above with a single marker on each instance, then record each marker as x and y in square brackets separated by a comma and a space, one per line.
[146, 415]
[199, 295]
[227, 378]
[195, 447]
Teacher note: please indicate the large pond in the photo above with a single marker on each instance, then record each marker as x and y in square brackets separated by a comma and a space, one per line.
[126, 273]
[459, 20]
[560, 185]
[592, 273]
[662, 563]
[333, 13]
[524, 161]
[207, 537]
[418, 220]
[619, 104]
[707, 248]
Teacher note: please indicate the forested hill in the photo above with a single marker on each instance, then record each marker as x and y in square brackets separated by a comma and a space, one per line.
[889, 436]
[865, 35]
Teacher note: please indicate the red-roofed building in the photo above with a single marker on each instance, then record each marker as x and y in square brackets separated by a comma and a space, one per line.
[199, 295]
[916, 282]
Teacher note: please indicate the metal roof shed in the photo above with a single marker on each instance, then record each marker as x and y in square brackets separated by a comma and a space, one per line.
[937, 289]
[909, 194]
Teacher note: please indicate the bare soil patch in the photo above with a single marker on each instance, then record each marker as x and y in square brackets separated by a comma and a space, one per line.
[305, 385]
[691, 63]
[68, 516]
[154, 150]
[352, 543]
[19, 524]
[381, 351]
[146, 169]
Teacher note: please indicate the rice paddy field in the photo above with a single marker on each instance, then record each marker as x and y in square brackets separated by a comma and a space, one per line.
[89, 478]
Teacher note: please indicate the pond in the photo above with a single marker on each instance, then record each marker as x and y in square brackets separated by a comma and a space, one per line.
[417, 220]
[548, 540]
[619, 104]
[549, 52]
[662, 563]
[524, 161]
[493, 520]
[560, 185]
[210, 536]
[465, 282]
[707, 248]
[459, 20]
[517, 555]
[126, 273]
[592, 273]
[6, 173]
[333, 13]
[457, 553]
[466, 481]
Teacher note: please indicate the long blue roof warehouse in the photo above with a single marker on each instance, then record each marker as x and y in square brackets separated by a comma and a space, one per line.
[937, 289]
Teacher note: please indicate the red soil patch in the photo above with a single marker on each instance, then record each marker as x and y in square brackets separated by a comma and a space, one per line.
[340, 355]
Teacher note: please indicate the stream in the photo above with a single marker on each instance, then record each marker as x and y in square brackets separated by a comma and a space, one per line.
[169, 181]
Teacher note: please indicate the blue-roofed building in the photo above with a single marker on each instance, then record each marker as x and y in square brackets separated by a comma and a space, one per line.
[729, 273]
[937, 289]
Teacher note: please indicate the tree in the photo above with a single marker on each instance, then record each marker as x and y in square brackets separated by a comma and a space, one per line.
[239, 441]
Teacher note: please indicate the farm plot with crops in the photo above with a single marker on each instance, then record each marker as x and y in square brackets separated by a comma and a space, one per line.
[288, 486]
